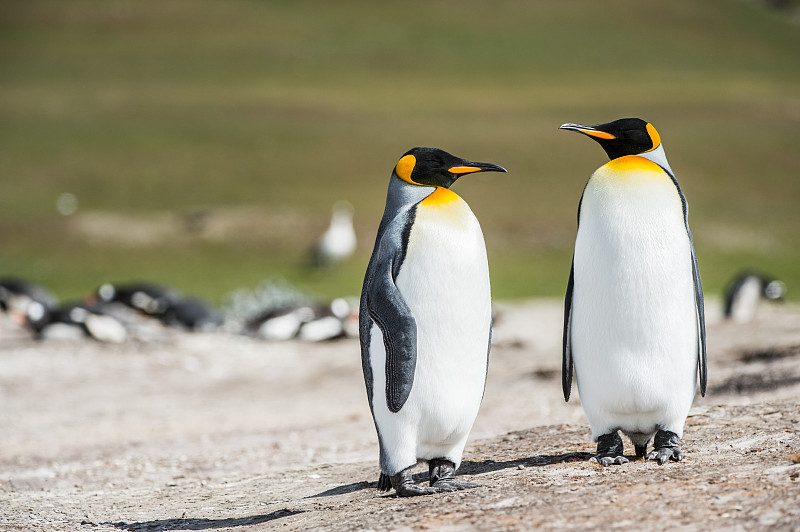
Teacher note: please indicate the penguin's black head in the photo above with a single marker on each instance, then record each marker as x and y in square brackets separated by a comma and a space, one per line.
[626, 136]
[436, 168]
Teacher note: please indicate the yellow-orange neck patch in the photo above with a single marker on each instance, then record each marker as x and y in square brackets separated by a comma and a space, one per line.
[404, 168]
[633, 163]
[439, 197]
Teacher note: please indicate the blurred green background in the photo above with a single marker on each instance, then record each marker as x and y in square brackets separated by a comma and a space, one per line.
[206, 141]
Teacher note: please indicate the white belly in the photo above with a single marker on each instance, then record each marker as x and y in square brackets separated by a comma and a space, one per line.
[445, 282]
[634, 331]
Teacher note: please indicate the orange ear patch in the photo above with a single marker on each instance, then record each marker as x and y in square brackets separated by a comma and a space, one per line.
[654, 136]
[404, 168]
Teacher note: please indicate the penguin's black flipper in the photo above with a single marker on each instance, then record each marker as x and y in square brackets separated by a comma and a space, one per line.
[701, 322]
[566, 359]
[390, 312]
[382, 304]
[698, 294]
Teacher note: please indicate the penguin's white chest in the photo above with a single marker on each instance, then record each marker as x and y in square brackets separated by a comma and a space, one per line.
[444, 279]
[633, 329]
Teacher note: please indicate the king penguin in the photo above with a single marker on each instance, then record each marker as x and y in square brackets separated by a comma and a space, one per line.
[634, 325]
[425, 322]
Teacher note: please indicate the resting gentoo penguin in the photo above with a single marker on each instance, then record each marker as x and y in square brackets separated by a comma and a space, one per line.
[148, 298]
[166, 305]
[634, 324]
[77, 320]
[26, 301]
[425, 322]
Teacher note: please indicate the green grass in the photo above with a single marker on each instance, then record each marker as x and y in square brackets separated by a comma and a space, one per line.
[149, 107]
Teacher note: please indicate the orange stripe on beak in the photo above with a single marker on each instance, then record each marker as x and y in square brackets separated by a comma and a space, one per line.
[464, 169]
[597, 134]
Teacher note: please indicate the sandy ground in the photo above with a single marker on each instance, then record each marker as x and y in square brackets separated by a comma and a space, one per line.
[219, 432]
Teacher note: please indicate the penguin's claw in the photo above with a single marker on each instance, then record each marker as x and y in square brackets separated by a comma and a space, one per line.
[607, 460]
[667, 447]
[454, 485]
[412, 490]
[665, 453]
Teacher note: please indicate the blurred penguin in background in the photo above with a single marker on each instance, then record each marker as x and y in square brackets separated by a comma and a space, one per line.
[148, 298]
[76, 320]
[25, 301]
[162, 303]
[338, 242]
[744, 292]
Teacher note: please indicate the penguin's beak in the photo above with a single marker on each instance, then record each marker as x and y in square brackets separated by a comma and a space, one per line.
[468, 167]
[591, 131]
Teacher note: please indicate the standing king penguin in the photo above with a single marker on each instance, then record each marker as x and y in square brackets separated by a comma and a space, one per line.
[425, 322]
[634, 324]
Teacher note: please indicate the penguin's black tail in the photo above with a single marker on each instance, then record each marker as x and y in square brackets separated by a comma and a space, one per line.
[384, 482]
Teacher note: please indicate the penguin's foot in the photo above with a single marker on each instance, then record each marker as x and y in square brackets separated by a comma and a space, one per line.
[609, 450]
[404, 485]
[667, 447]
[443, 476]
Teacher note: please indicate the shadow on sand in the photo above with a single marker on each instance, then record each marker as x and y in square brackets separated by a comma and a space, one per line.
[468, 468]
[347, 488]
[488, 466]
[202, 524]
